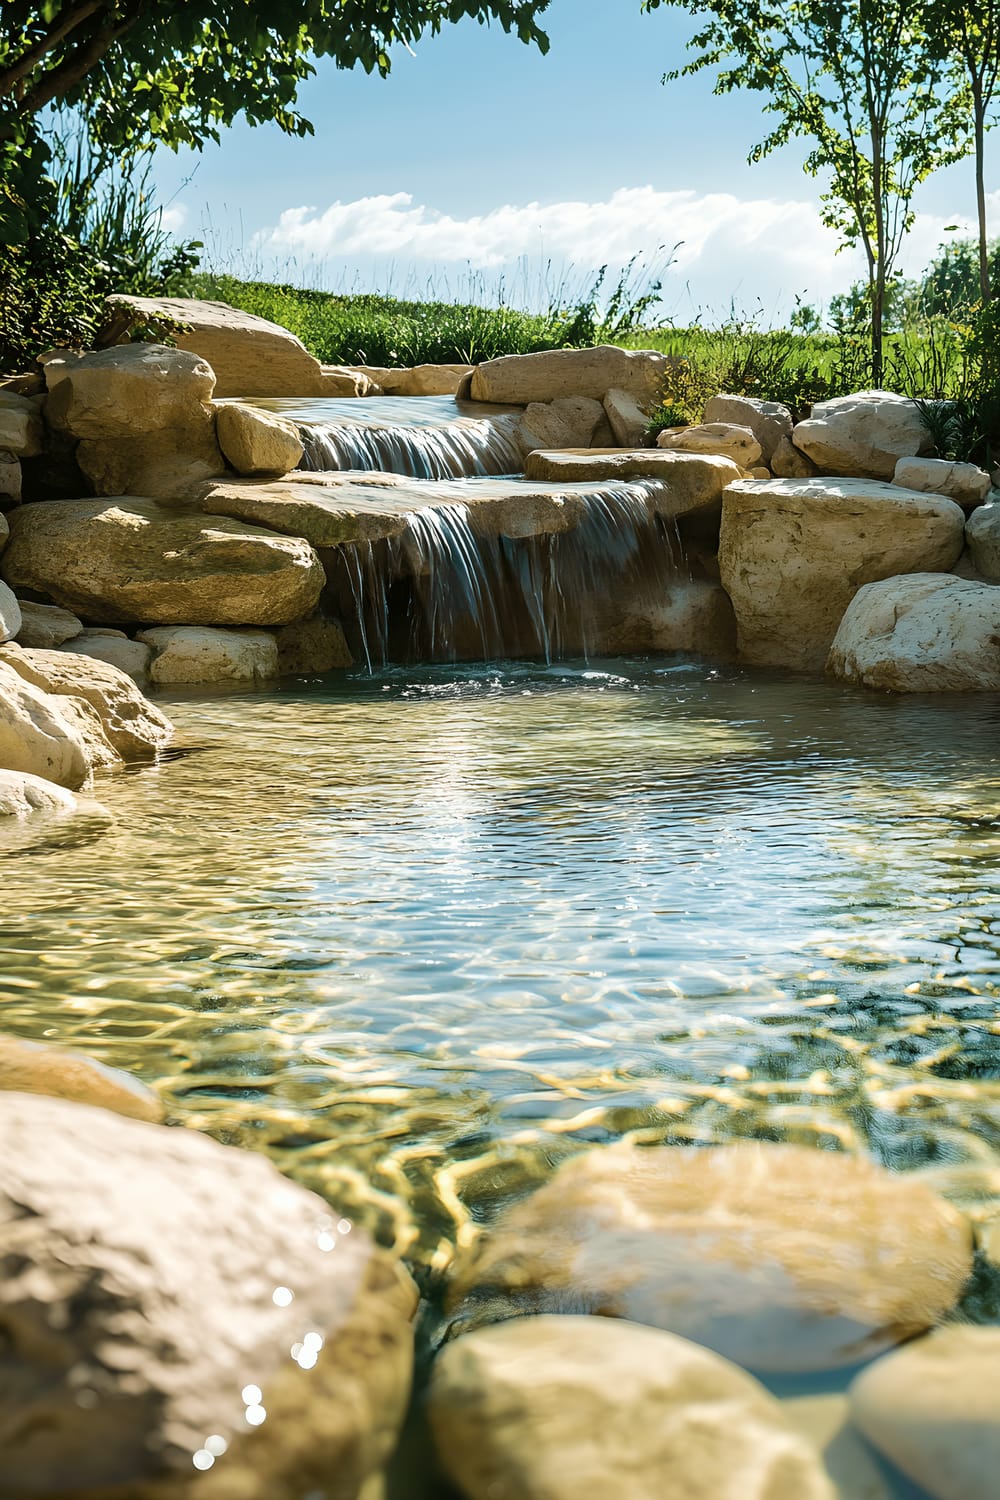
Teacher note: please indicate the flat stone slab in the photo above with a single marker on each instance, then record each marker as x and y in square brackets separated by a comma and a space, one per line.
[692, 481]
[332, 510]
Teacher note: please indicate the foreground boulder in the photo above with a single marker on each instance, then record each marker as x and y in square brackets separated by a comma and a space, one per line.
[36, 1068]
[863, 435]
[714, 1245]
[924, 633]
[248, 355]
[556, 1408]
[36, 736]
[933, 1408]
[518, 379]
[133, 560]
[157, 1282]
[793, 553]
[135, 727]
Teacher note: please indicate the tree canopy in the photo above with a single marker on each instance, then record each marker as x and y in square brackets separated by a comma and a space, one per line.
[177, 70]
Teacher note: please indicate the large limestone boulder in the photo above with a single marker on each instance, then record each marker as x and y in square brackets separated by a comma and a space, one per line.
[982, 533]
[10, 614]
[199, 653]
[923, 633]
[518, 379]
[133, 560]
[691, 481]
[46, 625]
[715, 1245]
[21, 431]
[118, 393]
[793, 553]
[37, 736]
[967, 484]
[257, 442]
[133, 725]
[737, 443]
[179, 1307]
[863, 435]
[142, 416]
[933, 1408]
[35, 1068]
[769, 421]
[557, 1408]
[248, 355]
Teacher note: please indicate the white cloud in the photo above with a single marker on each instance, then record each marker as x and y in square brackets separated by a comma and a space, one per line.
[732, 249]
[174, 217]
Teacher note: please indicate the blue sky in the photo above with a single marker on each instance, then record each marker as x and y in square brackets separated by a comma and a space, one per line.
[480, 157]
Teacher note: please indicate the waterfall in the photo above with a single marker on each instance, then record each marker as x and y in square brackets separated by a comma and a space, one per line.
[441, 591]
[452, 450]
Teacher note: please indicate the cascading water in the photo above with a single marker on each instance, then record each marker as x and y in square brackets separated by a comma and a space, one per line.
[442, 590]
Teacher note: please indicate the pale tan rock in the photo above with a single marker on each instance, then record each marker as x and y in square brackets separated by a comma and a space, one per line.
[37, 1068]
[433, 380]
[249, 355]
[163, 1287]
[556, 1408]
[21, 432]
[114, 648]
[10, 614]
[922, 633]
[159, 464]
[313, 645]
[789, 462]
[794, 552]
[779, 1257]
[257, 442]
[737, 443]
[759, 471]
[199, 653]
[86, 722]
[825, 1422]
[133, 560]
[863, 435]
[967, 484]
[36, 736]
[518, 379]
[982, 533]
[769, 421]
[46, 625]
[135, 727]
[343, 380]
[126, 392]
[10, 483]
[627, 417]
[566, 423]
[22, 794]
[691, 481]
[933, 1408]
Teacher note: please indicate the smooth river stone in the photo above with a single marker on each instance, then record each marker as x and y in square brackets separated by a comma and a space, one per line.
[35, 1068]
[563, 1408]
[933, 1408]
[782, 1258]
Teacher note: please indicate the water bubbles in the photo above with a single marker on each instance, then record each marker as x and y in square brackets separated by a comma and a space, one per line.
[255, 1415]
[252, 1395]
[203, 1459]
[282, 1296]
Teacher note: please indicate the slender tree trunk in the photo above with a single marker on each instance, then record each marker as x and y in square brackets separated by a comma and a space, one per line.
[876, 273]
[979, 114]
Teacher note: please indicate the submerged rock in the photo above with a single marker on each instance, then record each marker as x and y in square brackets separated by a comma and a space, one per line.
[794, 552]
[923, 633]
[779, 1257]
[182, 1314]
[933, 1408]
[555, 1408]
[134, 560]
[37, 1068]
